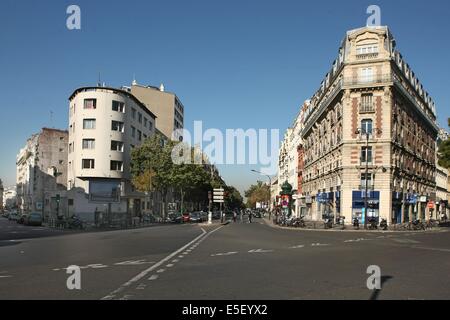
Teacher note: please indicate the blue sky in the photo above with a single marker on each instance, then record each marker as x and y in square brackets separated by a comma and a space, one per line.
[234, 64]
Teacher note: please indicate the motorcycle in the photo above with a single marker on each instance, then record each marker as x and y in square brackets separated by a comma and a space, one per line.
[356, 223]
[383, 224]
[328, 224]
[418, 225]
[75, 223]
[372, 223]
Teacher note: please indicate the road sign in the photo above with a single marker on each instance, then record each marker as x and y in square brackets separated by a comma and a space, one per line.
[219, 190]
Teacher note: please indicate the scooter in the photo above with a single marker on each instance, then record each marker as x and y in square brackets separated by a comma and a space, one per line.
[383, 224]
[356, 223]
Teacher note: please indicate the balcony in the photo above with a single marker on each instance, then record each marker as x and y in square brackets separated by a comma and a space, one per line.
[367, 56]
[366, 108]
[368, 80]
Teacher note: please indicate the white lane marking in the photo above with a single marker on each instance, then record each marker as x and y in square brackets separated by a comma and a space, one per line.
[5, 276]
[133, 262]
[432, 249]
[154, 277]
[259, 251]
[224, 254]
[141, 286]
[180, 256]
[405, 240]
[170, 265]
[185, 253]
[144, 273]
[94, 266]
[357, 240]
[297, 246]
[318, 244]
[161, 270]
[157, 265]
[175, 260]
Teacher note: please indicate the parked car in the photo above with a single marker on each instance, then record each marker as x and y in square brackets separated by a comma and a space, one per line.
[5, 214]
[34, 219]
[13, 216]
[216, 215]
[196, 216]
[22, 218]
[186, 217]
[174, 218]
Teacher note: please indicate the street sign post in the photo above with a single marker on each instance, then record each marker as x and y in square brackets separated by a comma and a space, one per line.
[218, 197]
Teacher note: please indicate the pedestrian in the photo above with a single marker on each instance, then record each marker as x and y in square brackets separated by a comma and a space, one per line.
[250, 216]
[234, 216]
[240, 215]
[96, 216]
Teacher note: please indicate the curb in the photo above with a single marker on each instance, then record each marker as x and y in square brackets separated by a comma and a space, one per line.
[270, 224]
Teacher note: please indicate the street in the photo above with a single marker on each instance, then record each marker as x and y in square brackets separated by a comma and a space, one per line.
[235, 261]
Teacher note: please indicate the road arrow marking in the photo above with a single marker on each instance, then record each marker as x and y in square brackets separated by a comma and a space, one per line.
[133, 262]
[319, 244]
[259, 251]
[297, 246]
[224, 254]
[161, 270]
[154, 277]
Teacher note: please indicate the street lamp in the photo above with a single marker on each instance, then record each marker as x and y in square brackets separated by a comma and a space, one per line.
[270, 186]
[368, 132]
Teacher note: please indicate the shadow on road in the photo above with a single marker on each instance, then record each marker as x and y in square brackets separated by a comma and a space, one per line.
[376, 292]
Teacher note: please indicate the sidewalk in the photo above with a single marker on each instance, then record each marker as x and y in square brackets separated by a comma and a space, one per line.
[349, 228]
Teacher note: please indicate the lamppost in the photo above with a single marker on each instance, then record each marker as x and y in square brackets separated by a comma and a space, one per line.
[270, 186]
[368, 131]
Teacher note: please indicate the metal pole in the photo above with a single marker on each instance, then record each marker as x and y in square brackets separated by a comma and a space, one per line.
[366, 178]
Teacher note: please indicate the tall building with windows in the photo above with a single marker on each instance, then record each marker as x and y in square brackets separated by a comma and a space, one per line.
[105, 124]
[165, 105]
[369, 135]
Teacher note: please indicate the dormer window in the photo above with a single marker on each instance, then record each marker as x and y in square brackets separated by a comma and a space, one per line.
[367, 49]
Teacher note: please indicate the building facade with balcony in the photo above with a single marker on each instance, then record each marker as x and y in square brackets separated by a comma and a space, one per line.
[369, 135]
[105, 124]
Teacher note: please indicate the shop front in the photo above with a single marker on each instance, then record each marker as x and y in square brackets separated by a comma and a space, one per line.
[410, 207]
[325, 204]
[397, 199]
[358, 205]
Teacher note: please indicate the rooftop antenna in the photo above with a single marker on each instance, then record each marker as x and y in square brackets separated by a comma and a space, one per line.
[134, 80]
[99, 83]
[51, 119]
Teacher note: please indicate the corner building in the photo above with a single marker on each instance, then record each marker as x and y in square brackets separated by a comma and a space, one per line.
[371, 123]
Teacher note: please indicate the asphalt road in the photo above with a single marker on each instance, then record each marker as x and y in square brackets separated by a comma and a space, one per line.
[236, 261]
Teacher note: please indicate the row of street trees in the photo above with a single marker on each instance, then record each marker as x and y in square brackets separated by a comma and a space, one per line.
[152, 169]
[444, 152]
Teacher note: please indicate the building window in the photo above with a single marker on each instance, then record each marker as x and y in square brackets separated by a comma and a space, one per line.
[150, 125]
[366, 178]
[140, 117]
[145, 136]
[117, 126]
[366, 154]
[116, 165]
[88, 163]
[118, 106]
[133, 113]
[139, 135]
[88, 143]
[366, 126]
[367, 49]
[88, 123]
[90, 103]
[145, 122]
[70, 147]
[61, 162]
[116, 146]
[133, 132]
[366, 103]
[70, 202]
[366, 74]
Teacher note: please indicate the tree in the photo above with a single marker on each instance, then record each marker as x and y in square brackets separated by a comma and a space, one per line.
[257, 193]
[444, 152]
[234, 199]
[151, 167]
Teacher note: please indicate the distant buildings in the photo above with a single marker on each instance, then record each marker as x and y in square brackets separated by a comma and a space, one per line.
[1, 195]
[9, 198]
[41, 166]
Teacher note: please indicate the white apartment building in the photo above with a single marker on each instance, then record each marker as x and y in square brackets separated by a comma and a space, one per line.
[9, 197]
[105, 124]
[441, 192]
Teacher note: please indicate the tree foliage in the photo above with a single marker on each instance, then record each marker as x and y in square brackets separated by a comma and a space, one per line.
[259, 192]
[444, 152]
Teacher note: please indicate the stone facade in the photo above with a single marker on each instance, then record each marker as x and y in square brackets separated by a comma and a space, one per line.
[371, 114]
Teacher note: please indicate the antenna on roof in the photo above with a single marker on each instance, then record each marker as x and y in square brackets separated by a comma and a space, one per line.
[51, 119]
[134, 80]
[99, 83]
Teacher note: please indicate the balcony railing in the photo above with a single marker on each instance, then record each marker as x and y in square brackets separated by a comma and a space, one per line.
[367, 56]
[366, 107]
[368, 80]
